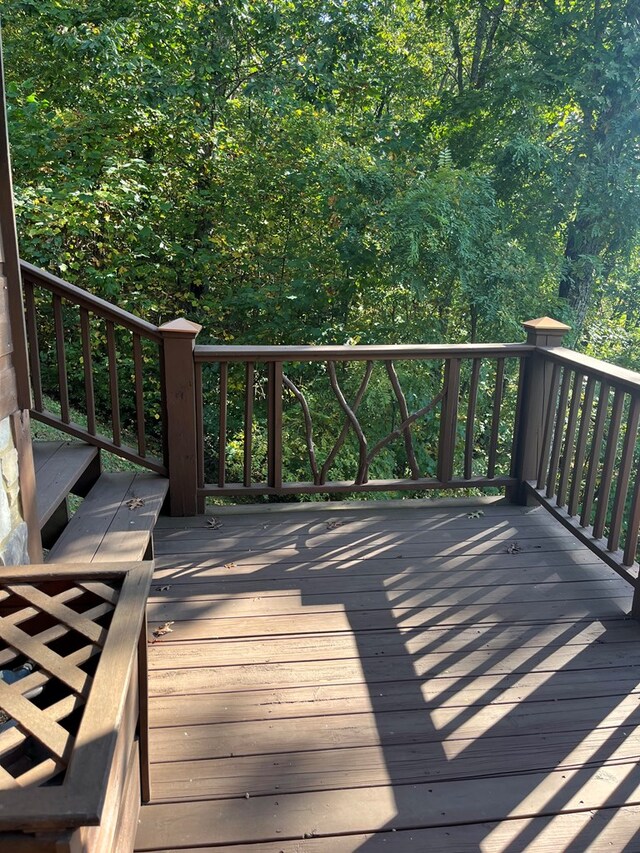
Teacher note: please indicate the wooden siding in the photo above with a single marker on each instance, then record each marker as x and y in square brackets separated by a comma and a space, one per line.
[389, 677]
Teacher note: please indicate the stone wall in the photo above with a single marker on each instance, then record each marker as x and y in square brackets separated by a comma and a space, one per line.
[13, 530]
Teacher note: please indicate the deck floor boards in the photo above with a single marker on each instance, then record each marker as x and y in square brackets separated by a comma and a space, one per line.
[389, 677]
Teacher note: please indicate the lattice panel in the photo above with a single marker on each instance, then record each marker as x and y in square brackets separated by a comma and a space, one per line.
[59, 627]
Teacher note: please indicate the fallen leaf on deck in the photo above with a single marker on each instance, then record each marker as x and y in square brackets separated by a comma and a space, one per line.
[214, 523]
[163, 629]
[162, 588]
[331, 525]
[229, 565]
[514, 548]
[135, 503]
[477, 514]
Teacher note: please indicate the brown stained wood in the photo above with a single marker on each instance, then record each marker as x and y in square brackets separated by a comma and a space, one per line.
[105, 528]
[558, 434]
[199, 404]
[34, 344]
[61, 359]
[347, 424]
[404, 414]
[44, 729]
[248, 423]
[338, 812]
[566, 464]
[54, 663]
[581, 446]
[308, 427]
[181, 441]
[623, 474]
[362, 474]
[594, 455]
[138, 369]
[628, 380]
[398, 352]
[611, 452]
[114, 390]
[65, 615]
[274, 425]
[223, 382]
[552, 408]
[117, 667]
[87, 365]
[100, 441]
[84, 299]
[471, 416]
[60, 466]
[579, 832]
[396, 433]
[448, 420]
[633, 526]
[413, 762]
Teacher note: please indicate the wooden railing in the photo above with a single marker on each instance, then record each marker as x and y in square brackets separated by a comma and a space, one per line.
[534, 419]
[272, 389]
[588, 471]
[69, 329]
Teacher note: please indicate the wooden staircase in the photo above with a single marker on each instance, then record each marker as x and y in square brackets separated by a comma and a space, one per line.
[115, 520]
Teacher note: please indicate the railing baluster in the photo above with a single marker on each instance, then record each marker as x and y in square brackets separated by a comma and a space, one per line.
[624, 473]
[471, 417]
[87, 364]
[495, 419]
[248, 422]
[62, 358]
[570, 437]
[274, 426]
[594, 455]
[34, 345]
[578, 468]
[633, 525]
[113, 383]
[449, 420]
[558, 434]
[138, 368]
[404, 414]
[222, 423]
[609, 463]
[545, 451]
[199, 403]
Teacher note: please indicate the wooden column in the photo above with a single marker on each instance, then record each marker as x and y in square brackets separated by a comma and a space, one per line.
[535, 394]
[181, 425]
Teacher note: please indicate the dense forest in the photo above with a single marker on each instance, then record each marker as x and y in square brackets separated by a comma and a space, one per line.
[336, 171]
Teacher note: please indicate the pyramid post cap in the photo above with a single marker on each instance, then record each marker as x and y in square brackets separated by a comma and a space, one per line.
[181, 326]
[546, 324]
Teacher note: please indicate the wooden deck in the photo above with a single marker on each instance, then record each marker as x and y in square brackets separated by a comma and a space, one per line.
[390, 677]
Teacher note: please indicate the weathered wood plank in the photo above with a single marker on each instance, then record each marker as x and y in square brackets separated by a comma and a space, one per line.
[333, 812]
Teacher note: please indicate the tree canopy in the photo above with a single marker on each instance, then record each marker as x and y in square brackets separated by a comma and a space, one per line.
[335, 170]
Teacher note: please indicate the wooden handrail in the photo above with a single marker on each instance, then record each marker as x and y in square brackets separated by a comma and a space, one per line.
[73, 311]
[360, 352]
[611, 373]
[87, 300]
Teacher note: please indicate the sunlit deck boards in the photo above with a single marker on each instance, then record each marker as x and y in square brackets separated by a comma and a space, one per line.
[390, 679]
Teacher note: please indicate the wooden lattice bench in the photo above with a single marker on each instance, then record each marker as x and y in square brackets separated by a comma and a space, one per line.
[74, 756]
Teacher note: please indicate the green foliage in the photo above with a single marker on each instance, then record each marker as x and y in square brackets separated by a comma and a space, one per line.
[331, 171]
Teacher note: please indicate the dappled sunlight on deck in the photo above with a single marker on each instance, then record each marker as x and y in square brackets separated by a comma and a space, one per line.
[364, 679]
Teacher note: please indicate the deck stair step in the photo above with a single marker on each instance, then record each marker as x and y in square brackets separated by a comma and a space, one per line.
[61, 468]
[115, 521]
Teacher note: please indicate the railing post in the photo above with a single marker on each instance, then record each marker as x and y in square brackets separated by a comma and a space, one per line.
[178, 339]
[533, 402]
